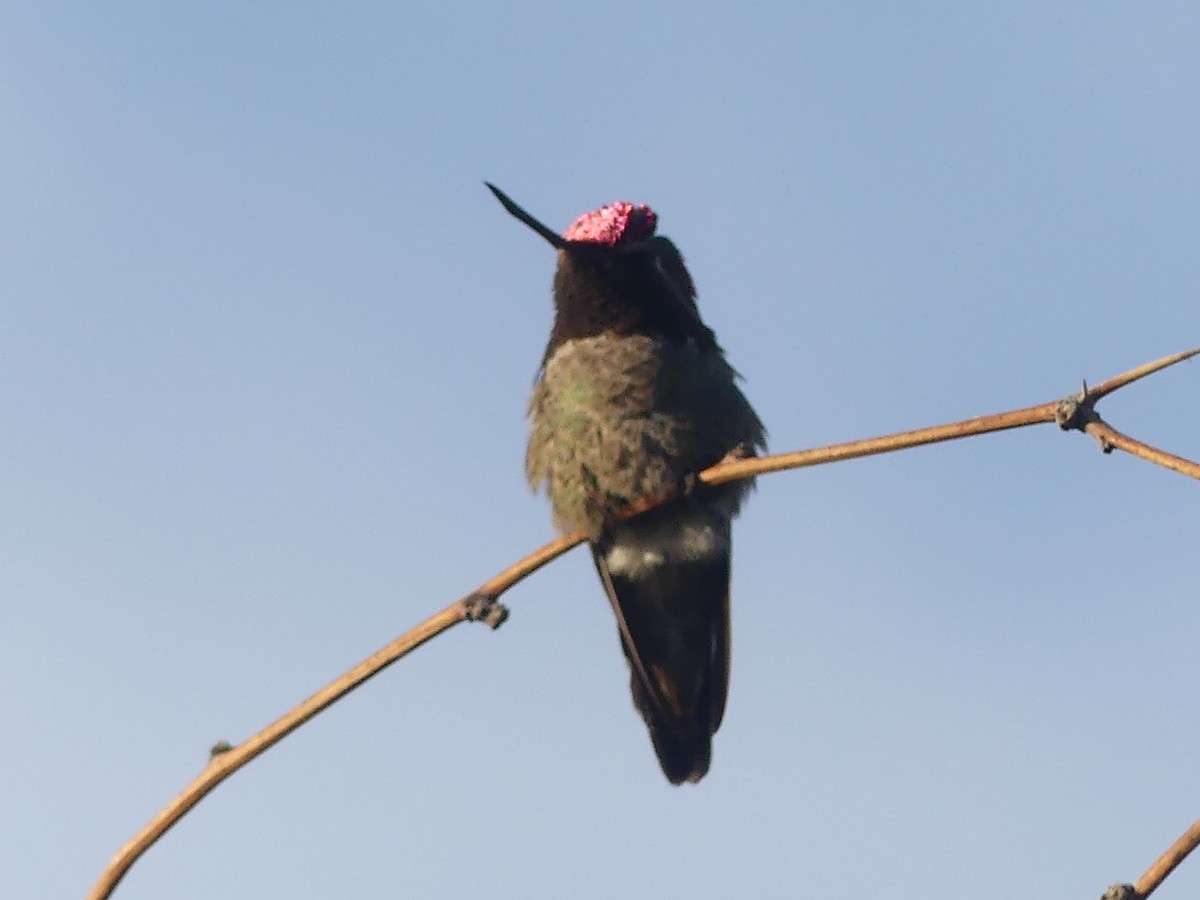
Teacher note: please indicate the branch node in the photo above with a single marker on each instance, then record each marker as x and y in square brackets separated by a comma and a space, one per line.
[1077, 412]
[1122, 892]
[1073, 413]
[485, 608]
[218, 748]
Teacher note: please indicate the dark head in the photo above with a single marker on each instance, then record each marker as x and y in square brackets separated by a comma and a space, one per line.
[615, 274]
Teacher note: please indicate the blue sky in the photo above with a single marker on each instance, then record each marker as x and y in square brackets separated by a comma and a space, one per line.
[265, 342]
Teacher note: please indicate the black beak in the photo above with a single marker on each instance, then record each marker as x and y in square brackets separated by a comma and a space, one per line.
[506, 201]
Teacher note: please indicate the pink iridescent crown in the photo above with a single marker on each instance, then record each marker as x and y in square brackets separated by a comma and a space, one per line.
[617, 223]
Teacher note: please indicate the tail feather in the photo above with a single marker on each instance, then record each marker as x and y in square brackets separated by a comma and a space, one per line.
[682, 758]
[673, 620]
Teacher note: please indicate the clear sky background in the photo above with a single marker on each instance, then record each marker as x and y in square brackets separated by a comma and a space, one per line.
[265, 344]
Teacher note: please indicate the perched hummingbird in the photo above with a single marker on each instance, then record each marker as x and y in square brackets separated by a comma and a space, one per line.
[634, 397]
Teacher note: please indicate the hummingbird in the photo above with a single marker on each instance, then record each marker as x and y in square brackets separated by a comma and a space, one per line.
[633, 398]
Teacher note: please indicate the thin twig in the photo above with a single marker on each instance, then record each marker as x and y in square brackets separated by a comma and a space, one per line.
[481, 604]
[1107, 387]
[1163, 866]
[225, 762]
[1110, 438]
[762, 465]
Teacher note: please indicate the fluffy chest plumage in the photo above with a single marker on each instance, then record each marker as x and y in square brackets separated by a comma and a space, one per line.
[617, 418]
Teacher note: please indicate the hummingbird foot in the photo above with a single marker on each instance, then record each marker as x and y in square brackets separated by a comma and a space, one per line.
[687, 485]
[485, 608]
[741, 450]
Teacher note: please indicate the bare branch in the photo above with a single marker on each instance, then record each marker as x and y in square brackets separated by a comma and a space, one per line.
[481, 604]
[1110, 439]
[761, 465]
[1157, 873]
[1103, 390]
[226, 760]
[1165, 864]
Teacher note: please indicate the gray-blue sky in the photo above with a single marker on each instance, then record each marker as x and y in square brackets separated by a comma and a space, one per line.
[265, 346]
